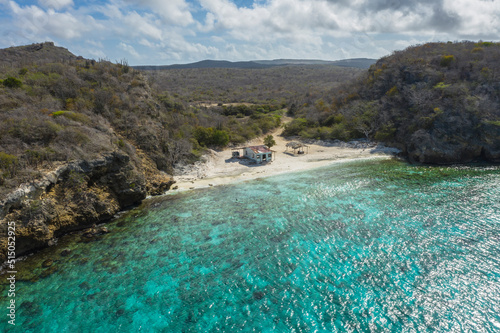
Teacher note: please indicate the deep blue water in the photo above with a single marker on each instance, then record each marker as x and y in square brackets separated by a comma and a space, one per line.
[361, 246]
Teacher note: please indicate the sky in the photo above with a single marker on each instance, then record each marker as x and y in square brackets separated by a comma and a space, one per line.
[163, 32]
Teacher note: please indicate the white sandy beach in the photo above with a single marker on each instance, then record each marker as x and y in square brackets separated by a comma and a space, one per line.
[218, 168]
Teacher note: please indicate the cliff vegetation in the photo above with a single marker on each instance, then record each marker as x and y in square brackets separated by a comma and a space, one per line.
[81, 139]
[438, 102]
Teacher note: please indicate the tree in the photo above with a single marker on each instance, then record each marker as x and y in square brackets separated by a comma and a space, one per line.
[269, 141]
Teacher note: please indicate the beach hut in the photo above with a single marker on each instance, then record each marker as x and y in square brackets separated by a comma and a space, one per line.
[259, 154]
[297, 146]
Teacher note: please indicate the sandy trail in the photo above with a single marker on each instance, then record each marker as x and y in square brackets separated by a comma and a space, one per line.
[218, 168]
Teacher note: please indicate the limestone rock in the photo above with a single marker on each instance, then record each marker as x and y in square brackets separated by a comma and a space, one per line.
[73, 197]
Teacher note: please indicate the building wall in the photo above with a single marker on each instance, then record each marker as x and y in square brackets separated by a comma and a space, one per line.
[250, 154]
[257, 157]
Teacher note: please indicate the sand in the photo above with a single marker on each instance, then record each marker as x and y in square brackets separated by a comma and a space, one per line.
[219, 168]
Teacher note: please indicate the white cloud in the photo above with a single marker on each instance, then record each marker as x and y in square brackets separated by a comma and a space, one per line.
[56, 4]
[191, 30]
[175, 12]
[95, 43]
[96, 54]
[478, 17]
[129, 49]
[36, 23]
[145, 26]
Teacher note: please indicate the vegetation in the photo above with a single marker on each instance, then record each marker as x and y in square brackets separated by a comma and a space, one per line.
[276, 87]
[210, 136]
[56, 107]
[428, 99]
[269, 141]
[12, 82]
[438, 102]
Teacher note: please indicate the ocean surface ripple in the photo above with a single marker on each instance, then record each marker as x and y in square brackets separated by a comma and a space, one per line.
[363, 246]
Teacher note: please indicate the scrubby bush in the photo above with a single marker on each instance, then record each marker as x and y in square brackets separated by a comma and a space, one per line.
[446, 60]
[75, 116]
[295, 127]
[210, 137]
[12, 82]
[8, 163]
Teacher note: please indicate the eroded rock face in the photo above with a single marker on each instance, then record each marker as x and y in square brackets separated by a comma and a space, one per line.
[490, 136]
[73, 197]
[455, 142]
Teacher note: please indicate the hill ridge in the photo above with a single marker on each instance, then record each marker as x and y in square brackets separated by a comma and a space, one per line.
[36, 53]
[363, 63]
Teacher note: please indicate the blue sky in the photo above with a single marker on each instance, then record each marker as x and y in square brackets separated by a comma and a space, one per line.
[182, 31]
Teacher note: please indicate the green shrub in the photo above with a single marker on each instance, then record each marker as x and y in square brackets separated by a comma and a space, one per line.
[393, 91]
[334, 119]
[208, 136]
[387, 132]
[441, 85]
[493, 122]
[340, 132]
[12, 82]
[220, 138]
[75, 116]
[486, 44]
[295, 127]
[316, 133]
[266, 123]
[8, 163]
[446, 60]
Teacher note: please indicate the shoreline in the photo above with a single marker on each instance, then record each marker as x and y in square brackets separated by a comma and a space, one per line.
[219, 168]
[248, 176]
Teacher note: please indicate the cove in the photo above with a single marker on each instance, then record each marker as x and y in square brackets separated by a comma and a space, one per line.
[373, 245]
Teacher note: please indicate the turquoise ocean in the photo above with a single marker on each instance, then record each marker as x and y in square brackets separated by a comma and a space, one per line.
[360, 246]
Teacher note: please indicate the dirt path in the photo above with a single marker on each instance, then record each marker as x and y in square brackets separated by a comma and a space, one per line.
[218, 168]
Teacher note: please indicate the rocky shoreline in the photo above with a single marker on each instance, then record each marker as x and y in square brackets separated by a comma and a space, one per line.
[76, 196]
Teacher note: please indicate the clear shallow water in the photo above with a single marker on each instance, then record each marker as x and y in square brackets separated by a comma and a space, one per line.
[361, 246]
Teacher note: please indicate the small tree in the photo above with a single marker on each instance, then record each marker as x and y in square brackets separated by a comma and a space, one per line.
[269, 141]
[12, 82]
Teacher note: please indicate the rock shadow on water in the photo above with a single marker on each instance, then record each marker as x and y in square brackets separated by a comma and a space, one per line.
[30, 309]
[48, 271]
[258, 295]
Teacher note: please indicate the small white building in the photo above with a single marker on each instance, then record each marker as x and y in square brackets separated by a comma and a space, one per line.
[259, 154]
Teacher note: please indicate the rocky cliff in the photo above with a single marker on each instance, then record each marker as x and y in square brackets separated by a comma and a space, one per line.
[438, 102]
[76, 196]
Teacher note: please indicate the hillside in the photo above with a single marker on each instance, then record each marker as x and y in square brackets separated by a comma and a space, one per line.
[363, 63]
[82, 139]
[276, 85]
[34, 54]
[438, 102]
[208, 64]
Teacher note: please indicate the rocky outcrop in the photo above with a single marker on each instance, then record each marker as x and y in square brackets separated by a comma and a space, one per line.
[449, 145]
[38, 53]
[438, 102]
[490, 136]
[75, 196]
